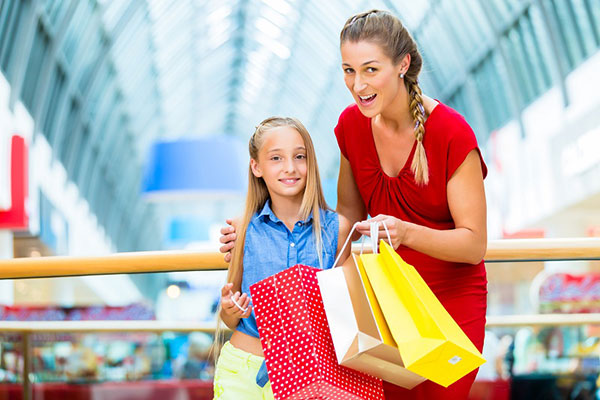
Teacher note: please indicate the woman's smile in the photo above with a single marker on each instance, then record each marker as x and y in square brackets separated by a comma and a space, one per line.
[367, 100]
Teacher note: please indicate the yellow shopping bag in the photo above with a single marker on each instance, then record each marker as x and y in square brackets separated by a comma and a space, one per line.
[430, 342]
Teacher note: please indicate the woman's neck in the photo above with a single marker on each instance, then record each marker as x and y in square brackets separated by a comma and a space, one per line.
[287, 209]
[397, 116]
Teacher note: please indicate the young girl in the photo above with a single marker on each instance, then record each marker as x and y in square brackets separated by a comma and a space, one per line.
[286, 222]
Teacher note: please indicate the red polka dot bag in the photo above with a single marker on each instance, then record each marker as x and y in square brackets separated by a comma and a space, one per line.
[295, 338]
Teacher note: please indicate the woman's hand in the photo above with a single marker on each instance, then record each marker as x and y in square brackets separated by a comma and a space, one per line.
[396, 227]
[229, 300]
[228, 237]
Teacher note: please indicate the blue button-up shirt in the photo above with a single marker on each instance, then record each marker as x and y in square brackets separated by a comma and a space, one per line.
[270, 248]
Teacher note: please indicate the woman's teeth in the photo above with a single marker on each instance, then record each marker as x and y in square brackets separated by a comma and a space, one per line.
[367, 98]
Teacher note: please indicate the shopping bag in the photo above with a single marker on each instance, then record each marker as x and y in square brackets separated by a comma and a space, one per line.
[430, 342]
[295, 338]
[361, 337]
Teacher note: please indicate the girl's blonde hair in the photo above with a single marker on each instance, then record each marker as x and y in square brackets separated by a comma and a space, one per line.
[385, 30]
[313, 201]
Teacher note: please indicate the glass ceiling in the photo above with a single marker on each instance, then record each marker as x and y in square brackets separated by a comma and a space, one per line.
[191, 68]
[106, 78]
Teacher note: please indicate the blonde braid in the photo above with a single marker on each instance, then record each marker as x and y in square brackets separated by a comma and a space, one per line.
[419, 163]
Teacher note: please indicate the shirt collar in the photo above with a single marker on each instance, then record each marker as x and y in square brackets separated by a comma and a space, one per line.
[268, 212]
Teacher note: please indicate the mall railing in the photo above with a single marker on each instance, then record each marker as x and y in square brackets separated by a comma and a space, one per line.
[508, 250]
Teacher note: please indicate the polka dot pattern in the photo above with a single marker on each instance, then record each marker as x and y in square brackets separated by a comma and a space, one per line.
[298, 348]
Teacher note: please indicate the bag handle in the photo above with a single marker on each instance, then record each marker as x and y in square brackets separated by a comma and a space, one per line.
[374, 236]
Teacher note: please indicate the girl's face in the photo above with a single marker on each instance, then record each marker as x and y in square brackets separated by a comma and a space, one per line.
[370, 76]
[282, 162]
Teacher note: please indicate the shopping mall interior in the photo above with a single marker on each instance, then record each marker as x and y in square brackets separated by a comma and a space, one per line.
[124, 129]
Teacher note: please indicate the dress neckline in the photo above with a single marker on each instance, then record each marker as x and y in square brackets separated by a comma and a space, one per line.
[408, 161]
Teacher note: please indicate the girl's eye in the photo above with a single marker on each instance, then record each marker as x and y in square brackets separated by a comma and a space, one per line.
[301, 156]
[348, 70]
[275, 158]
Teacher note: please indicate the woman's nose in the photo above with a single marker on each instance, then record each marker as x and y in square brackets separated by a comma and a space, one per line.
[359, 84]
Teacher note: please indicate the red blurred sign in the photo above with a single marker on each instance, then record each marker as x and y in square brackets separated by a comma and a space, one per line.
[570, 293]
[16, 217]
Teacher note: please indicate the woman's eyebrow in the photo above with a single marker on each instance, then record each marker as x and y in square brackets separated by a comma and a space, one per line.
[365, 63]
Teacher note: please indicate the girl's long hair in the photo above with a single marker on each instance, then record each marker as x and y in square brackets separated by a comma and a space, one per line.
[313, 201]
[384, 29]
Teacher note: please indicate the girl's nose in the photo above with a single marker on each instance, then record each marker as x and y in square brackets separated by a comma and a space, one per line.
[290, 166]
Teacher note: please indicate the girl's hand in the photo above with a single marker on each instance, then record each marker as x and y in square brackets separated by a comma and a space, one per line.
[228, 237]
[229, 300]
[396, 227]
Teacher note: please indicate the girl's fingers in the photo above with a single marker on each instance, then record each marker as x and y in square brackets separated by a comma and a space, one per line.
[227, 257]
[248, 311]
[226, 289]
[246, 303]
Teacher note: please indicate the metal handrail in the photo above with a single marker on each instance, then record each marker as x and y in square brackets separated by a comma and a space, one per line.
[170, 261]
[31, 327]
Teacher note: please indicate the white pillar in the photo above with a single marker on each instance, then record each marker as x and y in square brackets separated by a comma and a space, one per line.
[7, 296]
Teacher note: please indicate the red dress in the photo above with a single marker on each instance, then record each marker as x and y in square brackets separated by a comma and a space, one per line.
[461, 288]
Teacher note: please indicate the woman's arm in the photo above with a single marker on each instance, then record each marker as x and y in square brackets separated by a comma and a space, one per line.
[228, 237]
[467, 242]
[350, 204]
[344, 231]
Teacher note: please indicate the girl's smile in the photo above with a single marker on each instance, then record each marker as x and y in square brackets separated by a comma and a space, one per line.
[282, 163]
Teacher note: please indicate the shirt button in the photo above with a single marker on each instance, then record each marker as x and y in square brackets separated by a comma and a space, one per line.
[292, 244]
[299, 224]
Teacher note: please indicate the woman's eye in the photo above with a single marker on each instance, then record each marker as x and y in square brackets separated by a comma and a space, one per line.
[371, 69]
[348, 70]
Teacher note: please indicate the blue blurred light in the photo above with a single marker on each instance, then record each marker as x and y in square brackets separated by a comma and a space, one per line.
[187, 229]
[184, 169]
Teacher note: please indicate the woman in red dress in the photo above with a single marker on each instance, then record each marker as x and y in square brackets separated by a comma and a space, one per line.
[414, 163]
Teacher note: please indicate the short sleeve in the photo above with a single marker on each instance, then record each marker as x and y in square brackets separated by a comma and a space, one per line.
[462, 141]
[339, 135]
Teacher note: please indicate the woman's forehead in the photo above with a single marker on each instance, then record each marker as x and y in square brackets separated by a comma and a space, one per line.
[362, 51]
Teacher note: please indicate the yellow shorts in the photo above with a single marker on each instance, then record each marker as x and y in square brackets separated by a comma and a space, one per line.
[235, 376]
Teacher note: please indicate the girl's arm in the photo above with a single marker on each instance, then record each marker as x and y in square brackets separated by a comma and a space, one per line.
[350, 204]
[467, 242]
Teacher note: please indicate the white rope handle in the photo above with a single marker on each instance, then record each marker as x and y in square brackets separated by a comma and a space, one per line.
[374, 236]
[345, 244]
[242, 309]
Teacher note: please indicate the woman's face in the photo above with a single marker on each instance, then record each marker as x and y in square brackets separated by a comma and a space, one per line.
[371, 76]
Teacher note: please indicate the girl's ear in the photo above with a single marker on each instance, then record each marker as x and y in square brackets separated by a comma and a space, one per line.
[255, 168]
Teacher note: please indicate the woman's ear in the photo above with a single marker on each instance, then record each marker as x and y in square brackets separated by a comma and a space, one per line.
[255, 168]
[404, 64]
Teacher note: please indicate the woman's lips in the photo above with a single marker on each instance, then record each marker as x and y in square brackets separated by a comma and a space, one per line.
[367, 100]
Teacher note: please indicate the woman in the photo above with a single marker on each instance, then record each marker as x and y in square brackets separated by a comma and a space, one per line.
[414, 163]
